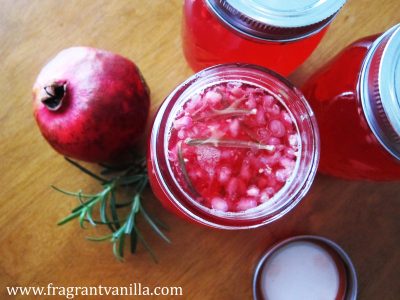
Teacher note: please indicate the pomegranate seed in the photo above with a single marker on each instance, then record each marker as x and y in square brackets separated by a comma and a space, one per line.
[277, 128]
[219, 204]
[246, 203]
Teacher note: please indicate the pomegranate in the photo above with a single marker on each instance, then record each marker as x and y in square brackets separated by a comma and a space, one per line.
[91, 104]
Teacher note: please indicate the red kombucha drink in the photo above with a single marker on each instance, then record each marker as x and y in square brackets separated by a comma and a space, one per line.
[275, 34]
[356, 99]
[235, 146]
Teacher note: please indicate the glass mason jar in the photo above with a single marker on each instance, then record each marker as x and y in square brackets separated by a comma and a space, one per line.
[234, 146]
[356, 99]
[276, 34]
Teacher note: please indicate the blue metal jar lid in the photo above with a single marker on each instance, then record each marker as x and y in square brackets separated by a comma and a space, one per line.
[379, 89]
[277, 20]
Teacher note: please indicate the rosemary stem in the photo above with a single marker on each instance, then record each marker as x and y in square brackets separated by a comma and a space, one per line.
[229, 143]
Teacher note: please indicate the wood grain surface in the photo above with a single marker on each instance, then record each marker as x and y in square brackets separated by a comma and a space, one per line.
[208, 264]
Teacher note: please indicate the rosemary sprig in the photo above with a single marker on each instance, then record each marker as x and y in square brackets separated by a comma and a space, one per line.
[184, 170]
[227, 112]
[105, 205]
[229, 143]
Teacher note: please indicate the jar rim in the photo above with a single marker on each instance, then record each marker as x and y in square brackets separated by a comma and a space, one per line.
[276, 20]
[379, 89]
[159, 140]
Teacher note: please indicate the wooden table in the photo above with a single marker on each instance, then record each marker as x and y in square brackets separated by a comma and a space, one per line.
[362, 217]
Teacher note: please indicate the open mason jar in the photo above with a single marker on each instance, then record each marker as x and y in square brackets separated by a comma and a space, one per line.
[234, 146]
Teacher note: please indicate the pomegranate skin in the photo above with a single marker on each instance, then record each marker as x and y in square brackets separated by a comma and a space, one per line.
[91, 104]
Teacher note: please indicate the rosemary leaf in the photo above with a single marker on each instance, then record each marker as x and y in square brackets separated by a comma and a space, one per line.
[133, 243]
[113, 209]
[182, 164]
[82, 218]
[85, 204]
[121, 245]
[154, 225]
[116, 252]
[97, 222]
[69, 218]
[146, 245]
[103, 214]
[79, 194]
[160, 223]
[99, 238]
[89, 216]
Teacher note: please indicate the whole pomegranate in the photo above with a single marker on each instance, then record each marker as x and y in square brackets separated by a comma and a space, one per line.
[91, 104]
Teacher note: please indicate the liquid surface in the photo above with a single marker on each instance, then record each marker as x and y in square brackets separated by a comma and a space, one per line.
[233, 146]
[300, 270]
[349, 149]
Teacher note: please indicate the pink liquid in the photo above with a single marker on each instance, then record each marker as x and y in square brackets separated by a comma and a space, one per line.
[233, 146]
[207, 41]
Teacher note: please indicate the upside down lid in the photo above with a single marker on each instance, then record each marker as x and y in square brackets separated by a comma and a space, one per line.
[379, 88]
[279, 20]
[305, 267]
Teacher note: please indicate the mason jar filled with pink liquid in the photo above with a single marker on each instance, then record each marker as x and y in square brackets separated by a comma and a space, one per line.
[277, 34]
[356, 99]
[234, 146]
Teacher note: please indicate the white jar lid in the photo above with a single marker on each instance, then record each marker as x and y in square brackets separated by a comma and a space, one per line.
[305, 267]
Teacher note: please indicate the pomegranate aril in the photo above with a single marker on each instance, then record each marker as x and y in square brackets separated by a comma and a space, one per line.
[251, 103]
[277, 128]
[213, 97]
[274, 110]
[253, 191]
[234, 127]
[293, 140]
[264, 197]
[282, 175]
[236, 187]
[290, 153]
[260, 117]
[185, 121]
[274, 141]
[268, 101]
[287, 163]
[246, 203]
[245, 173]
[224, 174]
[285, 117]
[219, 204]
[236, 91]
